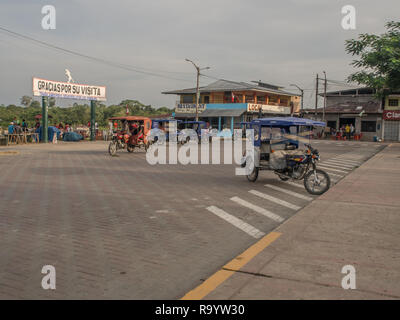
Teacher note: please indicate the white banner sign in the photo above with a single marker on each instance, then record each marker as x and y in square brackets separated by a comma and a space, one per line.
[57, 89]
[253, 107]
[189, 108]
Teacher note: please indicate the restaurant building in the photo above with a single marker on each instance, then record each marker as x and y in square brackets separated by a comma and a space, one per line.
[225, 104]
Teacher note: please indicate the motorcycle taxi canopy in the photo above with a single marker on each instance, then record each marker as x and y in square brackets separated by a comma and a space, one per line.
[283, 125]
[287, 122]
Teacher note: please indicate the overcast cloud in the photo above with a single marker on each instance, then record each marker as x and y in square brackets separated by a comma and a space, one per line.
[280, 42]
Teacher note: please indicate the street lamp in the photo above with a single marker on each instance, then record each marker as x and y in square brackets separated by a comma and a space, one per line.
[302, 98]
[323, 112]
[198, 69]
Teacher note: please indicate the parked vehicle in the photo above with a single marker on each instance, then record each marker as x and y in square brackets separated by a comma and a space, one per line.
[276, 144]
[131, 133]
[165, 125]
[184, 134]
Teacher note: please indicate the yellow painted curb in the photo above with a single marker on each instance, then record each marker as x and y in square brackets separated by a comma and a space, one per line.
[8, 153]
[230, 268]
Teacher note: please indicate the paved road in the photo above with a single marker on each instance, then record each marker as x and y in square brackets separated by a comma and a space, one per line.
[117, 227]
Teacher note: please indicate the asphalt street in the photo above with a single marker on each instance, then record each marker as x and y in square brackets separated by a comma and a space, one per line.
[120, 228]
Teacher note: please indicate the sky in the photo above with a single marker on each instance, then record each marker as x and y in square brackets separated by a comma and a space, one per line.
[280, 42]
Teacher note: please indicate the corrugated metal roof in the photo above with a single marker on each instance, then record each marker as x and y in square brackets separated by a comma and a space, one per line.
[213, 113]
[227, 85]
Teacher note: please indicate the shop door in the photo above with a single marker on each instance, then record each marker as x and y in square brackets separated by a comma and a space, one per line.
[391, 132]
[349, 121]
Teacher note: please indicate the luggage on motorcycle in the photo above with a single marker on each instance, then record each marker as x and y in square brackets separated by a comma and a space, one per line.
[277, 160]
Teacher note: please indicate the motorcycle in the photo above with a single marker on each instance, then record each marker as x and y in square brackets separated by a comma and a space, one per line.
[287, 163]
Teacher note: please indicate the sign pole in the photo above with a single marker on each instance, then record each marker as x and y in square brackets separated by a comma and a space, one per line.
[92, 120]
[45, 120]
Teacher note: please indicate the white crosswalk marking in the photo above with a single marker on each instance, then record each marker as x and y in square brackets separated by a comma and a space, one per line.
[238, 223]
[327, 168]
[292, 193]
[276, 200]
[294, 184]
[334, 174]
[335, 166]
[258, 209]
[346, 160]
[337, 163]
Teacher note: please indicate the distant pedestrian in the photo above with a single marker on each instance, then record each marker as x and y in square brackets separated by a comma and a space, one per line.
[11, 128]
[347, 130]
[24, 126]
[352, 131]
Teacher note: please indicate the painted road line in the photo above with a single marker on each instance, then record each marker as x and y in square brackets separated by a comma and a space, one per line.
[276, 200]
[327, 168]
[347, 160]
[258, 209]
[334, 174]
[335, 166]
[353, 163]
[292, 193]
[294, 184]
[336, 162]
[230, 268]
[347, 163]
[338, 165]
[238, 223]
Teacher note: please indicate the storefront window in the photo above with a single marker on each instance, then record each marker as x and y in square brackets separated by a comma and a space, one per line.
[261, 99]
[249, 99]
[368, 126]
[187, 99]
[393, 102]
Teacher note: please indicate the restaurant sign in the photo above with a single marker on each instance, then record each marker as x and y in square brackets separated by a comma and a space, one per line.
[57, 89]
[266, 108]
[391, 115]
[189, 108]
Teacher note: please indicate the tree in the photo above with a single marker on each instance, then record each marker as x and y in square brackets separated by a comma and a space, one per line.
[35, 104]
[52, 102]
[26, 101]
[379, 59]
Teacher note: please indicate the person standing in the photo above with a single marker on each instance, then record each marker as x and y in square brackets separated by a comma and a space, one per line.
[11, 128]
[24, 126]
[352, 130]
[347, 130]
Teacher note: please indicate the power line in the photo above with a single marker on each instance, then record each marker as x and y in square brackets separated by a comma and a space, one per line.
[99, 60]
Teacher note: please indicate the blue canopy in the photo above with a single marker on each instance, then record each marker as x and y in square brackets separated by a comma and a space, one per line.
[288, 121]
[165, 120]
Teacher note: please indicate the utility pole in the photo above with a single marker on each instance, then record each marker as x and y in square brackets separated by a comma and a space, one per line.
[302, 98]
[325, 84]
[316, 96]
[92, 120]
[45, 119]
[198, 69]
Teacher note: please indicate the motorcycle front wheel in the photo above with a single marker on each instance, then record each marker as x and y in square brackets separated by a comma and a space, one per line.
[317, 182]
[112, 148]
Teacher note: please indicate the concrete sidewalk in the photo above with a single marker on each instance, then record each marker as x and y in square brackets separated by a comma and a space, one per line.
[357, 222]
